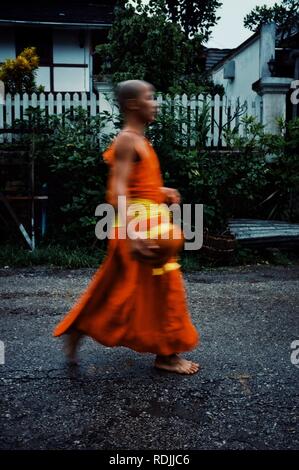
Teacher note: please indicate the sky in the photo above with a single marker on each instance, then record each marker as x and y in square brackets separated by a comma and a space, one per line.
[230, 32]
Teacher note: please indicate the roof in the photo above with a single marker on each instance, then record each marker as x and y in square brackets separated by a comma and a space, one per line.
[292, 41]
[235, 51]
[89, 13]
[214, 55]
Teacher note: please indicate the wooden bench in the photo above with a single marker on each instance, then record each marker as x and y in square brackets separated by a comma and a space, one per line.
[265, 233]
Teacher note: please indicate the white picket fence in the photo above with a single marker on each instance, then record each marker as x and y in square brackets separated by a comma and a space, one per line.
[14, 107]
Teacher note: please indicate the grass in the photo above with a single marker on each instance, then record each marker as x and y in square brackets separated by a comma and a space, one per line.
[51, 255]
[82, 257]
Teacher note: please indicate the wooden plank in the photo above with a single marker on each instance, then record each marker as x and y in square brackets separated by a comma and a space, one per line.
[262, 231]
[67, 102]
[258, 221]
[216, 120]
[42, 101]
[183, 112]
[59, 103]
[247, 235]
[233, 108]
[25, 103]
[8, 110]
[192, 129]
[265, 227]
[224, 120]
[34, 100]
[8, 115]
[50, 104]
[84, 100]
[93, 104]
[177, 104]
[76, 100]
[242, 126]
[210, 102]
[17, 106]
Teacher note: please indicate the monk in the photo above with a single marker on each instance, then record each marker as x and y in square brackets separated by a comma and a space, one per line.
[128, 302]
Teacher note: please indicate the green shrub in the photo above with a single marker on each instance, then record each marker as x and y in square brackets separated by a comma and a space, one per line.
[69, 159]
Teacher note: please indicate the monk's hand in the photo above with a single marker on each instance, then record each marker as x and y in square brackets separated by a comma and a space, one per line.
[172, 195]
[143, 248]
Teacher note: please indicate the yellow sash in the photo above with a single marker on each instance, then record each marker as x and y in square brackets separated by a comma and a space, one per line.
[153, 209]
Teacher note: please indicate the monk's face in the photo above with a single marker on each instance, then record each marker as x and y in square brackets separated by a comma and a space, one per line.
[146, 105]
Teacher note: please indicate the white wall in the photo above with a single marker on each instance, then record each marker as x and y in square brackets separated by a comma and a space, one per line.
[66, 49]
[43, 77]
[71, 79]
[246, 73]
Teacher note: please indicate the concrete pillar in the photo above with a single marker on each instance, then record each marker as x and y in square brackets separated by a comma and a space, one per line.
[267, 48]
[273, 91]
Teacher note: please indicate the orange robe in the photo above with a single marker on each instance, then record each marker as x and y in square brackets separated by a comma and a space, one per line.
[125, 304]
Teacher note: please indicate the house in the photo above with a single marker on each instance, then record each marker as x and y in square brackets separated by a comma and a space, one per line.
[65, 35]
[214, 55]
[261, 71]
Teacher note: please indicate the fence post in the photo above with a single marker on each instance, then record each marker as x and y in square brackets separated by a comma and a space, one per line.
[93, 104]
[42, 101]
[59, 103]
[84, 100]
[106, 106]
[50, 104]
[217, 120]
[211, 116]
[193, 122]
[67, 102]
[8, 114]
[14, 107]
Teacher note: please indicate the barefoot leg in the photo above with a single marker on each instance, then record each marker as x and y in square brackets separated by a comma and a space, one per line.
[71, 346]
[175, 363]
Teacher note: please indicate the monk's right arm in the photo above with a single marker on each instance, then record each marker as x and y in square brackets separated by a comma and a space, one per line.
[124, 156]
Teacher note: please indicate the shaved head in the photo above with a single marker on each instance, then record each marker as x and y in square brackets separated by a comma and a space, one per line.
[130, 89]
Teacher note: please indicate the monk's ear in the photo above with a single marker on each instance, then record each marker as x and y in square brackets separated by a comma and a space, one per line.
[131, 104]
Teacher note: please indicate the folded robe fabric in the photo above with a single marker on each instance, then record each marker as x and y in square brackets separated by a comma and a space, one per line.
[127, 303]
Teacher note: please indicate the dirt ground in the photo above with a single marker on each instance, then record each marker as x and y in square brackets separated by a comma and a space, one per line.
[245, 397]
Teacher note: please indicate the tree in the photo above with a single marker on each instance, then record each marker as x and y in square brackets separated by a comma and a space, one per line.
[18, 74]
[285, 15]
[143, 46]
[194, 17]
[153, 42]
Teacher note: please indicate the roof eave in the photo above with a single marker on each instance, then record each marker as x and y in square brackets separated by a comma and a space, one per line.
[235, 51]
[56, 23]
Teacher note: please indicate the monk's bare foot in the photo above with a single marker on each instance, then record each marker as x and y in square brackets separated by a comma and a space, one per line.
[71, 345]
[175, 363]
